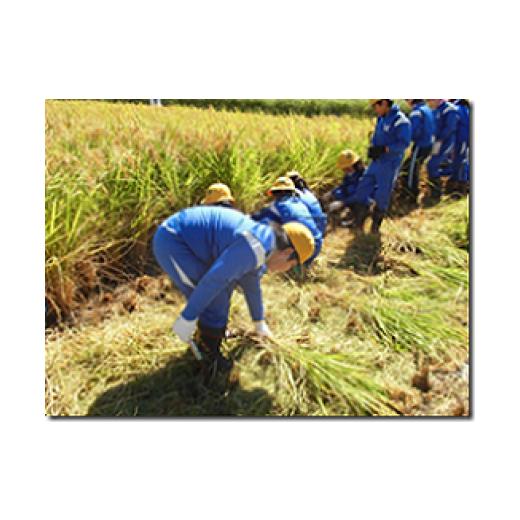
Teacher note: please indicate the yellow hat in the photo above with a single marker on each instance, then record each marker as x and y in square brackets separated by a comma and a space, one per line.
[372, 102]
[347, 158]
[218, 192]
[282, 184]
[301, 238]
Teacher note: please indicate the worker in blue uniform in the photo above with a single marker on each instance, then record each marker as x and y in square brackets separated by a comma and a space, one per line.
[207, 251]
[353, 169]
[287, 207]
[310, 200]
[423, 131]
[342, 197]
[443, 151]
[390, 139]
[460, 173]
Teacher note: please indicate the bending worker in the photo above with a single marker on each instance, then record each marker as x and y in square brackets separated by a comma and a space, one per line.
[287, 207]
[207, 251]
[310, 200]
[391, 138]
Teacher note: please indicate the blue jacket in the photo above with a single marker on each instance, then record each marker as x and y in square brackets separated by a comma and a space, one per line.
[233, 246]
[395, 131]
[314, 207]
[446, 121]
[348, 187]
[423, 125]
[463, 126]
[290, 209]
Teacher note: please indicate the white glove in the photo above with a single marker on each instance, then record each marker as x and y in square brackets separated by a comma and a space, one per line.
[335, 206]
[436, 148]
[184, 328]
[263, 330]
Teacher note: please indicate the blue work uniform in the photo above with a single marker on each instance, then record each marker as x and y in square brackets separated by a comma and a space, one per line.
[461, 161]
[423, 125]
[446, 122]
[291, 209]
[314, 207]
[423, 134]
[207, 251]
[393, 131]
[347, 189]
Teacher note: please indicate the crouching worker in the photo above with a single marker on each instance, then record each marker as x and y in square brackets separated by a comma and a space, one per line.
[310, 200]
[207, 251]
[391, 138]
[353, 169]
[288, 207]
[219, 194]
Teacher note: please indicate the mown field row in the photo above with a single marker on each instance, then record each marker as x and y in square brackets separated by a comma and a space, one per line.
[379, 327]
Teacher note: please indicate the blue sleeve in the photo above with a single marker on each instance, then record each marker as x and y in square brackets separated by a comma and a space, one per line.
[250, 283]
[237, 260]
[403, 136]
[265, 214]
[450, 127]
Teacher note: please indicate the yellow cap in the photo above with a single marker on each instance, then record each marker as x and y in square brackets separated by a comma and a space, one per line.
[301, 238]
[282, 184]
[347, 158]
[218, 192]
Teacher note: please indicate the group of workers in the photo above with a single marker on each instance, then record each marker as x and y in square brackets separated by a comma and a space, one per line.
[438, 131]
[210, 249]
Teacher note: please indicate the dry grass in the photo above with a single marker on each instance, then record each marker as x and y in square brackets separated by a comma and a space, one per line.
[353, 338]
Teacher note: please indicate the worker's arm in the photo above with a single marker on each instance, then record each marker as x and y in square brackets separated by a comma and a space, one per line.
[266, 215]
[450, 127]
[250, 284]
[402, 133]
[237, 260]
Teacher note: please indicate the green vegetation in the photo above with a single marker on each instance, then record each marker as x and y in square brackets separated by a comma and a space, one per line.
[351, 337]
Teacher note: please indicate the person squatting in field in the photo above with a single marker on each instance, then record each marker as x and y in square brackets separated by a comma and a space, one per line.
[310, 200]
[423, 130]
[208, 251]
[390, 139]
[288, 207]
[342, 197]
[443, 151]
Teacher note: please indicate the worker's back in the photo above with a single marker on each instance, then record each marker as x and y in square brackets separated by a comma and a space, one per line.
[314, 207]
[209, 230]
[290, 208]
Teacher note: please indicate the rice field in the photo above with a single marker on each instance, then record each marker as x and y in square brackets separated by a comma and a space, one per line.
[379, 326]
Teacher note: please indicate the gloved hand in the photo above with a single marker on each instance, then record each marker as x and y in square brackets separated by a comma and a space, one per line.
[375, 152]
[184, 328]
[436, 148]
[337, 205]
[263, 330]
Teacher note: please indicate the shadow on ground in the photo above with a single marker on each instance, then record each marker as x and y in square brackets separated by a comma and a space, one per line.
[179, 390]
[363, 255]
